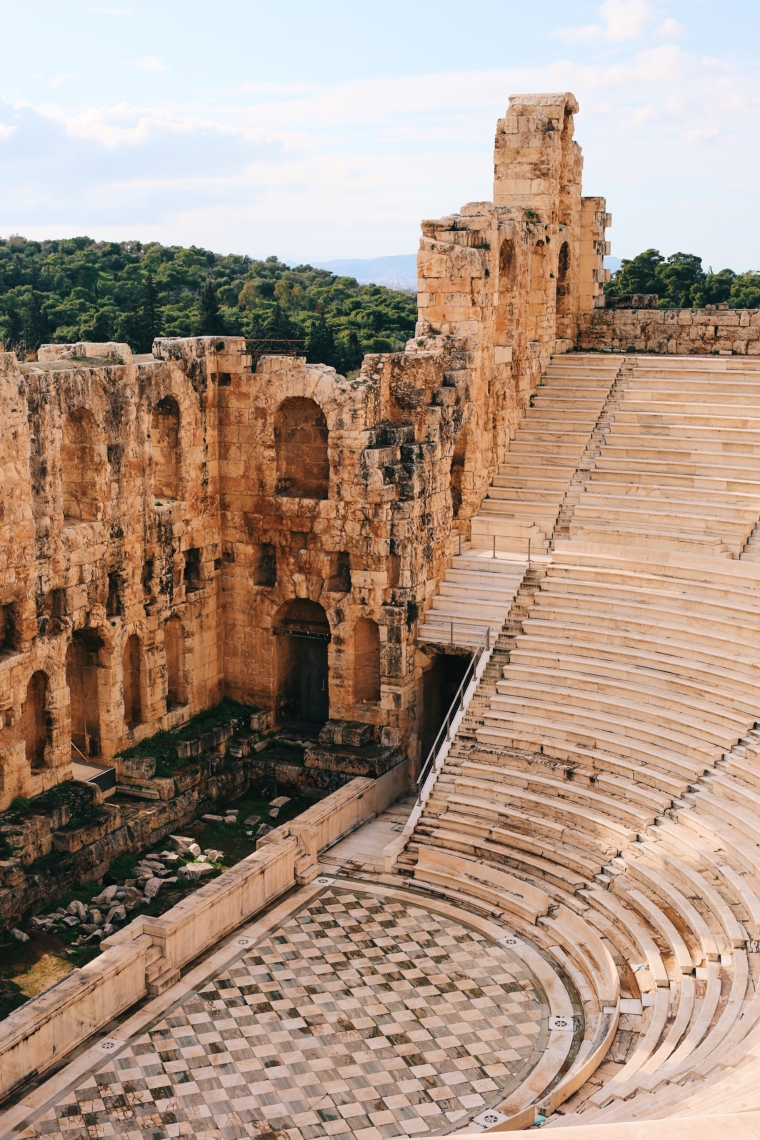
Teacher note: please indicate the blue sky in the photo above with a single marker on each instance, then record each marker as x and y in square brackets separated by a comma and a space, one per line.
[325, 130]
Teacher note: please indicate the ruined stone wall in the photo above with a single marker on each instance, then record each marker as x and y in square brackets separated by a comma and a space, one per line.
[173, 523]
[365, 555]
[678, 331]
[176, 527]
[511, 277]
[95, 562]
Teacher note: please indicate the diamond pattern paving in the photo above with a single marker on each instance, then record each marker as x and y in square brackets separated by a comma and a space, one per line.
[358, 1017]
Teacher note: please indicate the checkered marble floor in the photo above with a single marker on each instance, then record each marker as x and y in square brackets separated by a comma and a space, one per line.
[359, 1016]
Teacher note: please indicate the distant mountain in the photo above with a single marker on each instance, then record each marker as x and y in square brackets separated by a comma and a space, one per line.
[399, 272]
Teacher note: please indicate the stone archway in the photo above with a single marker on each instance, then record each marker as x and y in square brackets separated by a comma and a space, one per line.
[33, 724]
[303, 684]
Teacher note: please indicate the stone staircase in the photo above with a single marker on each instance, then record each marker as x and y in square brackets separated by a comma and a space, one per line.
[563, 428]
[466, 737]
[529, 489]
[475, 594]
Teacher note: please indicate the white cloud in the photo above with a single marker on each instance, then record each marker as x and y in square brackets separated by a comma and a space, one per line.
[149, 63]
[59, 79]
[623, 20]
[348, 168]
[5, 131]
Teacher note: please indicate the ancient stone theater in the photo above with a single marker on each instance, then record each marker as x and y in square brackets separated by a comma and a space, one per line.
[497, 594]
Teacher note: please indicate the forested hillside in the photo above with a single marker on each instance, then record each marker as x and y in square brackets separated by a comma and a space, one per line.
[680, 282]
[78, 289]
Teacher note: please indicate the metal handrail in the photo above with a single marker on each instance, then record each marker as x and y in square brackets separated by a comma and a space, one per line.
[483, 645]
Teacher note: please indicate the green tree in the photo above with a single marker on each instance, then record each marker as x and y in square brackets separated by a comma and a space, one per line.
[149, 325]
[280, 326]
[745, 291]
[714, 289]
[353, 354]
[321, 347]
[210, 320]
[13, 328]
[677, 278]
[637, 274]
[35, 327]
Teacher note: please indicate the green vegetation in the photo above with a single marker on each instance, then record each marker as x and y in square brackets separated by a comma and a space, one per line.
[78, 290]
[680, 282]
[162, 746]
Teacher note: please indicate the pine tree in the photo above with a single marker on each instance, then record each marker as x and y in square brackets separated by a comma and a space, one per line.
[354, 355]
[210, 322]
[321, 347]
[13, 329]
[280, 326]
[148, 323]
[35, 325]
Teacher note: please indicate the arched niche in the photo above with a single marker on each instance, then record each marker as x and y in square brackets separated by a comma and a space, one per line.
[303, 683]
[33, 724]
[83, 678]
[539, 291]
[165, 446]
[456, 476]
[174, 651]
[506, 291]
[366, 661]
[301, 447]
[81, 473]
[131, 664]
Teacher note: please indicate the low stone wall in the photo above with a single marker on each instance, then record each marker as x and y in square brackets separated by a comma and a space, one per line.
[40, 1033]
[726, 332]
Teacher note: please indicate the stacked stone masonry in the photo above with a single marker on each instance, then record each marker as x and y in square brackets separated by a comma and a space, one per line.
[575, 897]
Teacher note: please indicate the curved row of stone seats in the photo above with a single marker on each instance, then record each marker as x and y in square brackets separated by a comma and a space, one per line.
[526, 495]
[684, 419]
[476, 594]
[617, 770]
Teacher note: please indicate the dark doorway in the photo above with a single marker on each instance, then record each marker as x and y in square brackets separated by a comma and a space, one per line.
[303, 690]
[82, 669]
[439, 687]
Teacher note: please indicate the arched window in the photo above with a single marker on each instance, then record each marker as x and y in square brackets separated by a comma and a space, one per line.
[80, 463]
[301, 436]
[33, 725]
[82, 677]
[174, 650]
[366, 660]
[457, 471]
[164, 438]
[131, 661]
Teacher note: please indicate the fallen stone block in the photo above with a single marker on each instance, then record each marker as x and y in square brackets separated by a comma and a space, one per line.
[194, 871]
[19, 935]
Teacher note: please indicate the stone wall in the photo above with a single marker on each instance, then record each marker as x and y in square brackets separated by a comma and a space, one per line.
[511, 278]
[175, 527]
[706, 331]
[147, 955]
